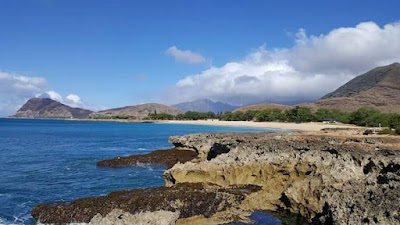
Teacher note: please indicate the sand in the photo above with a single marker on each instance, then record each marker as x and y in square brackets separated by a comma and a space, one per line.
[313, 126]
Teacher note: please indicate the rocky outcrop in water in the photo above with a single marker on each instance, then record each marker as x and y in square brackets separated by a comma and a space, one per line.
[327, 178]
[330, 177]
[182, 201]
[164, 157]
[119, 217]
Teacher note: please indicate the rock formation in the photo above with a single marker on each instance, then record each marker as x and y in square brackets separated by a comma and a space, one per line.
[183, 201]
[48, 108]
[329, 177]
[164, 157]
[119, 217]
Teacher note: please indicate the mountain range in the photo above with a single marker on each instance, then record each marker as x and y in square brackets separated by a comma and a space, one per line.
[205, 105]
[378, 88]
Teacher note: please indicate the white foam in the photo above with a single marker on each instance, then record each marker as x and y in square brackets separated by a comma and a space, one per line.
[5, 222]
[39, 223]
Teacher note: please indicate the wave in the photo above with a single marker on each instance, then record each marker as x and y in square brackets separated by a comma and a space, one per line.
[39, 223]
[7, 222]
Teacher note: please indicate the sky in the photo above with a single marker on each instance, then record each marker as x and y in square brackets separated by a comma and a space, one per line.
[100, 54]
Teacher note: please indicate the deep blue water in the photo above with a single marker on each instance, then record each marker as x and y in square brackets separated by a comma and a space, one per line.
[55, 160]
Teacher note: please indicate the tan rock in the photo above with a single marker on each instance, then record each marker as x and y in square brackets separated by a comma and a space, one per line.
[119, 217]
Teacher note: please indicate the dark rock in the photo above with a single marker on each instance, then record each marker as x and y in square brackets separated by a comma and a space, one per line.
[368, 132]
[163, 157]
[189, 199]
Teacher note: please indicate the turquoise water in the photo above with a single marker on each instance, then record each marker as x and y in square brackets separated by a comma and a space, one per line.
[55, 160]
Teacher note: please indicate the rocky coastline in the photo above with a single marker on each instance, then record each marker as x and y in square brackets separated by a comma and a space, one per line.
[327, 177]
[168, 158]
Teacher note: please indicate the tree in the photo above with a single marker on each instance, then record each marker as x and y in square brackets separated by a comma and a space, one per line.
[365, 117]
[394, 121]
[300, 114]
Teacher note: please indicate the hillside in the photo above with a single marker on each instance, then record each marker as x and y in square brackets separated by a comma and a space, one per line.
[205, 105]
[259, 107]
[378, 88]
[48, 108]
[137, 111]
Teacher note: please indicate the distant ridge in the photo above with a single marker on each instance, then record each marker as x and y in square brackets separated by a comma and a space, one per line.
[378, 88]
[48, 108]
[263, 106]
[137, 111]
[205, 105]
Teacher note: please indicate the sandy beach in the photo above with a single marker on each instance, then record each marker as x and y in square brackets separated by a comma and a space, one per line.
[313, 126]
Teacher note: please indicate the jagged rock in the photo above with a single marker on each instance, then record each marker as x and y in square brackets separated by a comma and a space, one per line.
[188, 199]
[119, 217]
[327, 178]
[164, 157]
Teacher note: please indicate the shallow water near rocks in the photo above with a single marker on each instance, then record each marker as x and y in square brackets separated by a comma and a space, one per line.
[261, 218]
[55, 160]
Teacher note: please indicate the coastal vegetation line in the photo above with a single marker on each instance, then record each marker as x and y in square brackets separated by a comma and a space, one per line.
[364, 116]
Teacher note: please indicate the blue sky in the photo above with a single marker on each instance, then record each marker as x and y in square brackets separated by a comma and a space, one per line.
[116, 53]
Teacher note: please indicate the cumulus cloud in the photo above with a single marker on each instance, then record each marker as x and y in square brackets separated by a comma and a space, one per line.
[51, 94]
[314, 66]
[21, 85]
[72, 100]
[185, 56]
[16, 89]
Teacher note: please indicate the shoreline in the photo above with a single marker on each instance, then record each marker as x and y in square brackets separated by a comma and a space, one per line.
[312, 126]
[309, 126]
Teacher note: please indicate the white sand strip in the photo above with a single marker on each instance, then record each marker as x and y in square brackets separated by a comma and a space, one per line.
[313, 126]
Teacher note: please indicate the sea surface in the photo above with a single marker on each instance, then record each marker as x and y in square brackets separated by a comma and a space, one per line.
[55, 160]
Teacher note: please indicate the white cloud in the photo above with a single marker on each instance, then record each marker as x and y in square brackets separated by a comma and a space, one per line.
[51, 94]
[16, 89]
[21, 85]
[314, 66]
[72, 100]
[185, 56]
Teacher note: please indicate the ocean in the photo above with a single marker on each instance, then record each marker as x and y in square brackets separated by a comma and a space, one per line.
[55, 160]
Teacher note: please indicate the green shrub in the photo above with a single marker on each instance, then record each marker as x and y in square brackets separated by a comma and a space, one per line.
[387, 131]
[397, 130]
[300, 114]
[365, 117]
[394, 120]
